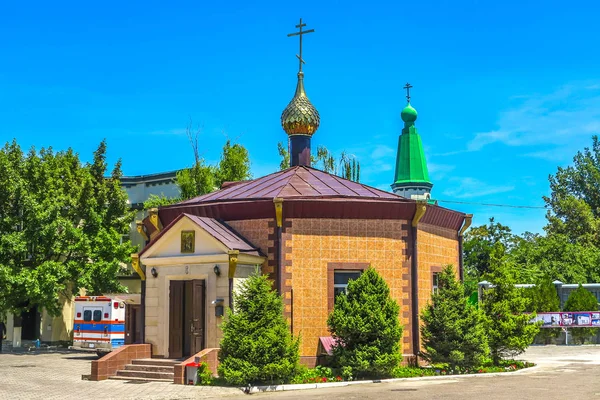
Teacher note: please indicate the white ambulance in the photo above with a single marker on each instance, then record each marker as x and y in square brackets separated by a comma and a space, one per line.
[99, 323]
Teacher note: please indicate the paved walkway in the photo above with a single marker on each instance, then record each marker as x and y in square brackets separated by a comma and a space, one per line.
[564, 372]
[58, 376]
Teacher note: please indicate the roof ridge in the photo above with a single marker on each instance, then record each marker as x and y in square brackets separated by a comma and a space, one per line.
[287, 182]
[308, 183]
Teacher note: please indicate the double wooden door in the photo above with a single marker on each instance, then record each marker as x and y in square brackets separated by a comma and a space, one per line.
[187, 303]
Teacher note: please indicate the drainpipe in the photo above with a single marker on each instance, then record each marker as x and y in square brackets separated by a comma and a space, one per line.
[233, 260]
[466, 224]
[278, 202]
[414, 280]
[135, 263]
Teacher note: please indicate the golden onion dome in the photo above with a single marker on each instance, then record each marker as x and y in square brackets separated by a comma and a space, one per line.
[300, 117]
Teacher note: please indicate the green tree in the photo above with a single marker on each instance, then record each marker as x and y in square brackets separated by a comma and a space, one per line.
[479, 241]
[257, 345]
[366, 328]
[452, 330]
[202, 178]
[234, 164]
[581, 299]
[537, 256]
[507, 326]
[574, 204]
[544, 298]
[346, 165]
[61, 228]
[285, 156]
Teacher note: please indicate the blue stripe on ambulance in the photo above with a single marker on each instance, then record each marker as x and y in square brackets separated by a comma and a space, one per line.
[99, 326]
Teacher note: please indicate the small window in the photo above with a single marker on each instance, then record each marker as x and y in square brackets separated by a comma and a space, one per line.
[435, 282]
[340, 280]
[97, 315]
[87, 315]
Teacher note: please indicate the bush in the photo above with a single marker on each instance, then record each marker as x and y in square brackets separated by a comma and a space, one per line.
[257, 345]
[316, 375]
[544, 298]
[508, 329]
[365, 326]
[581, 299]
[452, 330]
[204, 375]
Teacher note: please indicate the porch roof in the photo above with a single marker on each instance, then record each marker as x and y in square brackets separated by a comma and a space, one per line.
[218, 230]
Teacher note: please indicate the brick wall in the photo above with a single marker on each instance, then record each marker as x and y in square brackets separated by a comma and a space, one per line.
[117, 359]
[257, 231]
[209, 356]
[437, 247]
[313, 244]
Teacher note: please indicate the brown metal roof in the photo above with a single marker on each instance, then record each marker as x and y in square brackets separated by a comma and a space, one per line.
[296, 182]
[307, 193]
[224, 234]
[219, 230]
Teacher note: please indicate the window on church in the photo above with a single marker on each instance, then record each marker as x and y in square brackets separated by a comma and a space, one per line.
[435, 282]
[340, 280]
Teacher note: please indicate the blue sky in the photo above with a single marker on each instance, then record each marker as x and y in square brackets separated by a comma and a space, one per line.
[506, 91]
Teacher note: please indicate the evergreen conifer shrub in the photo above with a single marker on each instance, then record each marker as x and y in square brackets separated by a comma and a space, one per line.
[507, 324]
[581, 299]
[544, 298]
[452, 330]
[257, 345]
[365, 326]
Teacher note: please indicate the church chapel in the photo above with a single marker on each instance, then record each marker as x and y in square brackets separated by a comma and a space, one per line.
[308, 230]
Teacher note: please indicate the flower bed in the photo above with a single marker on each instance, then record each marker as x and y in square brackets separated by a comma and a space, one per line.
[435, 370]
[316, 375]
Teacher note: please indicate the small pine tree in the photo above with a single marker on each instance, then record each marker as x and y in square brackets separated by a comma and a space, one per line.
[366, 328]
[545, 299]
[257, 345]
[508, 328]
[452, 330]
[581, 299]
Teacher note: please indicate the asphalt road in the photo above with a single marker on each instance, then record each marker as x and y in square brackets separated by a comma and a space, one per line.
[562, 373]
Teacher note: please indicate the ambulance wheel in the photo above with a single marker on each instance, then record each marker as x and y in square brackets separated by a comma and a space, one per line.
[101, 352]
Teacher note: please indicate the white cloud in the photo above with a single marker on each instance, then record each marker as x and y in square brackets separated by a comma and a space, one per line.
[555, 119]
[556, 154]
[169, 132]
[381, 151]
[472, 188]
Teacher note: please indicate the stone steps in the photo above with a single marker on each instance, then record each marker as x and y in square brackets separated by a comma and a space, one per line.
[148, 370]
[156, 361]
[145, 374]
[133, 379]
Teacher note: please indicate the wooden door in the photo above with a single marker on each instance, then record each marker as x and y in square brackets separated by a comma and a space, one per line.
[176, 319]
[133, 323]
[198, 315]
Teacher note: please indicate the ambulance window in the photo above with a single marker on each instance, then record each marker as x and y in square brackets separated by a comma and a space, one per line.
[87, 315]
[97, 315]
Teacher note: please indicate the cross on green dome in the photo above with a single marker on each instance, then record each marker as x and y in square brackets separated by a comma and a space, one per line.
[411, 166]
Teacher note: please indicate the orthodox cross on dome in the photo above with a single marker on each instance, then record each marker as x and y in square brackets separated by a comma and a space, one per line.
[300, 33]
[408, 86]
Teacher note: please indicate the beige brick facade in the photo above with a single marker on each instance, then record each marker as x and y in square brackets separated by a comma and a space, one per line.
[316, 243]
[257, 232]
[436, 248]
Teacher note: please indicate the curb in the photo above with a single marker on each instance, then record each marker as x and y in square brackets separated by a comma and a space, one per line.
[305, 386]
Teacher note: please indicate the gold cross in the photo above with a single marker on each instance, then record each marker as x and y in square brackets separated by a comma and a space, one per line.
[408, 86]
[300, 33]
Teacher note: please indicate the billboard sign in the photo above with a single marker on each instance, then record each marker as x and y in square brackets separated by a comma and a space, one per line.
[576, 319]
